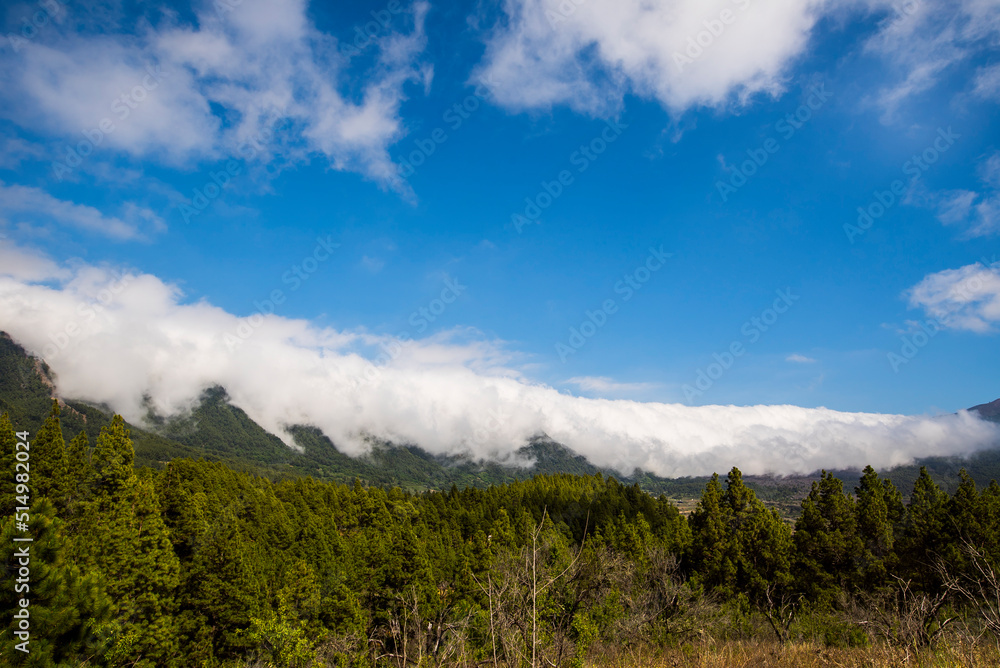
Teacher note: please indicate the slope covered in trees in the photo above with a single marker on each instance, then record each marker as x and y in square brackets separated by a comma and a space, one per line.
[197, 564]
[218, 431]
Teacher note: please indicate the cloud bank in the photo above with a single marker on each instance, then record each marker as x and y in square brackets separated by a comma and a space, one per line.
[115, 337]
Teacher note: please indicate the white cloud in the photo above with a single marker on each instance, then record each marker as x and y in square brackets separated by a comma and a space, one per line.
[988, 82]
[25, 202]
[605, 385]
[967, 298]
[922, 40]
[588, 55]
[13, 150]
[978, 212]
[23, 264]
[800, 359]
[206, 89]
[445, 395]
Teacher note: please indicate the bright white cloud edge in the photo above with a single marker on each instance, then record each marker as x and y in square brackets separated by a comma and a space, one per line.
[445, 397]
[967, 298]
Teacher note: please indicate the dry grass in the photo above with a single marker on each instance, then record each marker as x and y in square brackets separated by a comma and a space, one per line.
[804, 655]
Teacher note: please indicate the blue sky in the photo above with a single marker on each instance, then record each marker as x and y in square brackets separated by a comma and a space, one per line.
[317, 121]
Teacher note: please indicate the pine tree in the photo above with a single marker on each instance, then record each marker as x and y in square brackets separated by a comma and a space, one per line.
[923, 532]
[990, 509]
[827, 545]
[121, 533]
[8, 445]
[48, 459]
[80, 472]
[967, 525]
[710, 544]
[113, 457]
[67, 610]
[738, 545]
[879, 508]
[763, 542]
[222, 591]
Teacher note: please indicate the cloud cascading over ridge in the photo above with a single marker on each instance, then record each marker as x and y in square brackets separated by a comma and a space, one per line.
[113, 338]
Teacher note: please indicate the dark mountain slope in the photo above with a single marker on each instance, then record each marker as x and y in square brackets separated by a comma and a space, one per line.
[990, 411]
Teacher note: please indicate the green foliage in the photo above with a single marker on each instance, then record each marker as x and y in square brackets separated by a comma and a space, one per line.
[154, 560]
[113, 458]
[66, 608]
[121, 533]
[924, 530]
[48, 459]
[8, 443]
[738, 545]
[878, 511]
[828, 547]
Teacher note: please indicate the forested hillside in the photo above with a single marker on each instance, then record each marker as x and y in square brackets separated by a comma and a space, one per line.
[220, 432]
[196, 564]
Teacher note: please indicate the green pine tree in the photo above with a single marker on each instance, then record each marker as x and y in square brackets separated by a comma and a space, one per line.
[924, 531]
[48, 460]
[8, 444]
[113, 457]
[878, 510]
[67, 609]
[121, 533]
[827, 545]
[711, 550]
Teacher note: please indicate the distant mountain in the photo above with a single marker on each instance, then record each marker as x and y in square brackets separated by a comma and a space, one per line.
[218, 431]
[990, 411]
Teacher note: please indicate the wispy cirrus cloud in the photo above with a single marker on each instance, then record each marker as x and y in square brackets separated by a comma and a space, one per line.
[922, 41]
[977, 211]
[608, 386]
[799, 359]
[34, 205]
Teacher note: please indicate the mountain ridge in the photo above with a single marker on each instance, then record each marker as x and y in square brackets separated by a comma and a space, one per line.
[990, 411]
[216, 430]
